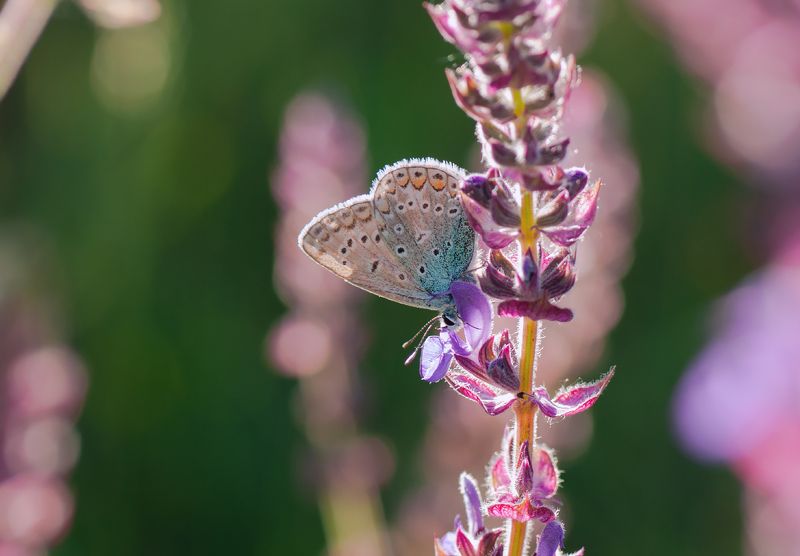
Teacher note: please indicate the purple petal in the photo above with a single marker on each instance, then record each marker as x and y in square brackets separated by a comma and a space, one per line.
[502, 373]
[509, 507]
[440, 19]
[565, 235]
[523, 481]
[497, 240]
[558, 277]
[471, 366]
[574, 399]
[446, 545]
[498, 472]
[488, 545]
[530, 272]
[584, 207]
[435, 359]
[575, 180]
[479, 392]
[472, 503]
[551, 540]
[519, 509]
[534, 310]
[496, 284]
[545, 475]
[500, 262]
[464, 544]
[475, 310]
[455, 343]
[554, 212]
[480, 220]
[504, 208]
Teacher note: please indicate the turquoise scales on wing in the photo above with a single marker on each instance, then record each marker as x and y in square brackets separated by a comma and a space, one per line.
[407, 240]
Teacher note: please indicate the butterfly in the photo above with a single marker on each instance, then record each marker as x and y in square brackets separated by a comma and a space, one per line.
[407, 240]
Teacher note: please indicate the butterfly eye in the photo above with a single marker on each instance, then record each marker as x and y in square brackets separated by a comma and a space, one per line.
[447, 320]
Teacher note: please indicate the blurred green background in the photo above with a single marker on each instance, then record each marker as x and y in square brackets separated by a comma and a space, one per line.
[158, 213]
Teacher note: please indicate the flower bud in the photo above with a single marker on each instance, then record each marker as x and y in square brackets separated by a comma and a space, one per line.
[503, 370]
[491, 209]
[554, 212]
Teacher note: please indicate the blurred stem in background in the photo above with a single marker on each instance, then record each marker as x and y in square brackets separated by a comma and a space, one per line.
[22, 22]
[42, 382]
[321, 340]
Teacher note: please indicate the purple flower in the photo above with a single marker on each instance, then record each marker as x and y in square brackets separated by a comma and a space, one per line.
[522, 488]
[529, 293]
[551, 541]
[569, 212]
[476, 540]
[475, 312]
[493, 400]
[489, 376]
[744, 385]
[491, 208]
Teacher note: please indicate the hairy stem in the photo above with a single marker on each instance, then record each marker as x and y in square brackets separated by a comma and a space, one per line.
[524, 411]
[21, 23]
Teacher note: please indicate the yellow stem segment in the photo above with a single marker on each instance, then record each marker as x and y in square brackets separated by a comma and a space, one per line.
[525, 412]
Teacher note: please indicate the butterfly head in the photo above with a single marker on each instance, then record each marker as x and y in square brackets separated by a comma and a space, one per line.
[450, 319]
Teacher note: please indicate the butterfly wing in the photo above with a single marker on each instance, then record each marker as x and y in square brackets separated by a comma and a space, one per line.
[347, 240]
[423, 222]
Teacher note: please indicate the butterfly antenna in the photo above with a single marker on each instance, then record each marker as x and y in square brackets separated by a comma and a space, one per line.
[425, 328]
[424, 331]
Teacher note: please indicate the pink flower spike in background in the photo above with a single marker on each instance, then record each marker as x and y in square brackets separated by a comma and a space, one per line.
[42, 389]
[320, 341]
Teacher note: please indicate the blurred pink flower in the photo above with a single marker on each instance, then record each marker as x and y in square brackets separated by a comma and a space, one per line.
[121, 13]
[738, 401]
[42, 388]
[320, 340]
[746, 383]
[746, 50]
